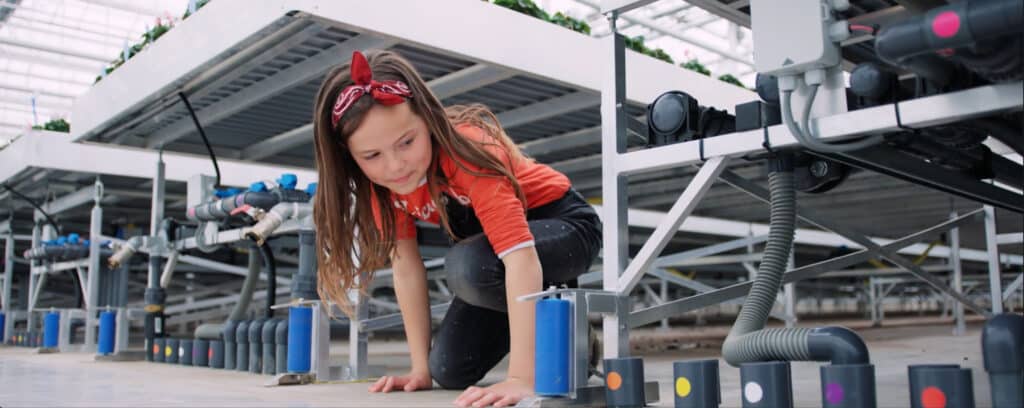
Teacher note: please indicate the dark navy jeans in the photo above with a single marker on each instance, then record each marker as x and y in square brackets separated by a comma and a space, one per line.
[474, 335]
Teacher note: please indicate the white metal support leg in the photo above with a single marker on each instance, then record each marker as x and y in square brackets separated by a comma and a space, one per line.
[614, 197]
[959, 327]
[321, 343]
[93, 278]
[8, 281]
[995, 285]
[358, 339]
[121, 327]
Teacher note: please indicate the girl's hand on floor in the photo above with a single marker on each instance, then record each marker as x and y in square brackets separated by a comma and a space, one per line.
[504, 394]
[409, 382]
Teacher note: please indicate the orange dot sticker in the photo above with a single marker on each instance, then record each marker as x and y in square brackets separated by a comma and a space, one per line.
[932, 397]
[614, 381]
[209, 354]
[156, 349]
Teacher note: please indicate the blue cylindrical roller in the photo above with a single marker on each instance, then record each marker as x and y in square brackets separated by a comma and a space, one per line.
[300, 338]
[3, 321]
[848, 386]
[553, 341]
[51, 329]
[696, 384]
[108, 326]
[767, 384]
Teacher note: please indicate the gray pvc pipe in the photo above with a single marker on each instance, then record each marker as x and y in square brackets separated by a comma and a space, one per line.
[749, 341]
[238, 313]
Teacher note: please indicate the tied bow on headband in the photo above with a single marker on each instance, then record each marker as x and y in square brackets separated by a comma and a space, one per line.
[384, 92]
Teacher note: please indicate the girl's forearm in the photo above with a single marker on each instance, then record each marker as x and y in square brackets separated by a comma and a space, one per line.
[411, 288]
[523, 276]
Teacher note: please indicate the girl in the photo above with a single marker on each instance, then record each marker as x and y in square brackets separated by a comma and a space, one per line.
[388, 154]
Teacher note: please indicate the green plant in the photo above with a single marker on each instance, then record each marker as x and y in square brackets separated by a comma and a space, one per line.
[527, 7]
[732, 80]
[199, 5]
[573, 24]
[696, 66]
[637, 44]
[55, 125]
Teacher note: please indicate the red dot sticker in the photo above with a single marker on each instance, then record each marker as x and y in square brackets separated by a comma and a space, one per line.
[933, 397]
[209, 354]
[946, 24]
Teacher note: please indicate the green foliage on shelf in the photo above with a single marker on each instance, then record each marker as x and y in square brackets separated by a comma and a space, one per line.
[199, 5]
[696, 66]
[637, 44]
[527, 7]
[55, 125]
[573, 24]
[732, 80]
[531, 9]
[149, 37]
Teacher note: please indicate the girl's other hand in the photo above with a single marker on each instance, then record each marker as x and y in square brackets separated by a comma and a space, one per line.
[409, 382]
[504, 394]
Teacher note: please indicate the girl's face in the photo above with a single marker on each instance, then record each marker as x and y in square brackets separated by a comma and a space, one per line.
[392, 147]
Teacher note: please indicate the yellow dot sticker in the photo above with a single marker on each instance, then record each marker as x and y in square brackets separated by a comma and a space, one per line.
[683, 387]
[168, 351]
[614, 381]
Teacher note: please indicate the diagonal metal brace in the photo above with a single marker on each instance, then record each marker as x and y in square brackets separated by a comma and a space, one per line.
[849, 233]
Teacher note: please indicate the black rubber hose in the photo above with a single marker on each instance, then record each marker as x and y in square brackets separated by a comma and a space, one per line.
[203, 134]
[269, 263]
[1003, 132]
[33, 203]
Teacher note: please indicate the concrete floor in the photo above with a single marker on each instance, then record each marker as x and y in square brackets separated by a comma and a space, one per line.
[75, 379]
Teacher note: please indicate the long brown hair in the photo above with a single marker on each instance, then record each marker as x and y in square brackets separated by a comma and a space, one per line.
[350, 246]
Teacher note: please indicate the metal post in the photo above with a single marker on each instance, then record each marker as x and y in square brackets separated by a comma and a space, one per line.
[614, 197]
[995, 285]
[93, 279]
[321, 343]
[664, 297]
[8, 281]
[790, 295]
[121, 324]
[958, 279]
[358, 339]
[64, 333]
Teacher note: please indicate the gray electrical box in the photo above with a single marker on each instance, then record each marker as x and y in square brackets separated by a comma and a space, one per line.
[200, 189]
[791, 36]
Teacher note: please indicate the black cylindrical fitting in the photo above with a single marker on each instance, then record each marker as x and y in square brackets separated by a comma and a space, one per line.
[696, 384]
[838, 345]
[242, 346]
[766, 384]
[624, 382]
[940, 385]
[848, 386]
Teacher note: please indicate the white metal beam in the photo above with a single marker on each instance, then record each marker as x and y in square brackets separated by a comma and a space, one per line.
[671, 32]
[462, 81]
[279, 82]
[58, 63]
[804, 236]
[500, 38]
[54, 150]
[549, 108]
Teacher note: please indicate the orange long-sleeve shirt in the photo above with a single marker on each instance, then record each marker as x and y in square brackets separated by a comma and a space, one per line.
[493, 199]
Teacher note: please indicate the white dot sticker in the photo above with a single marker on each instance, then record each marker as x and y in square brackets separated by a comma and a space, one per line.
[181, 352]
[753, 392]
